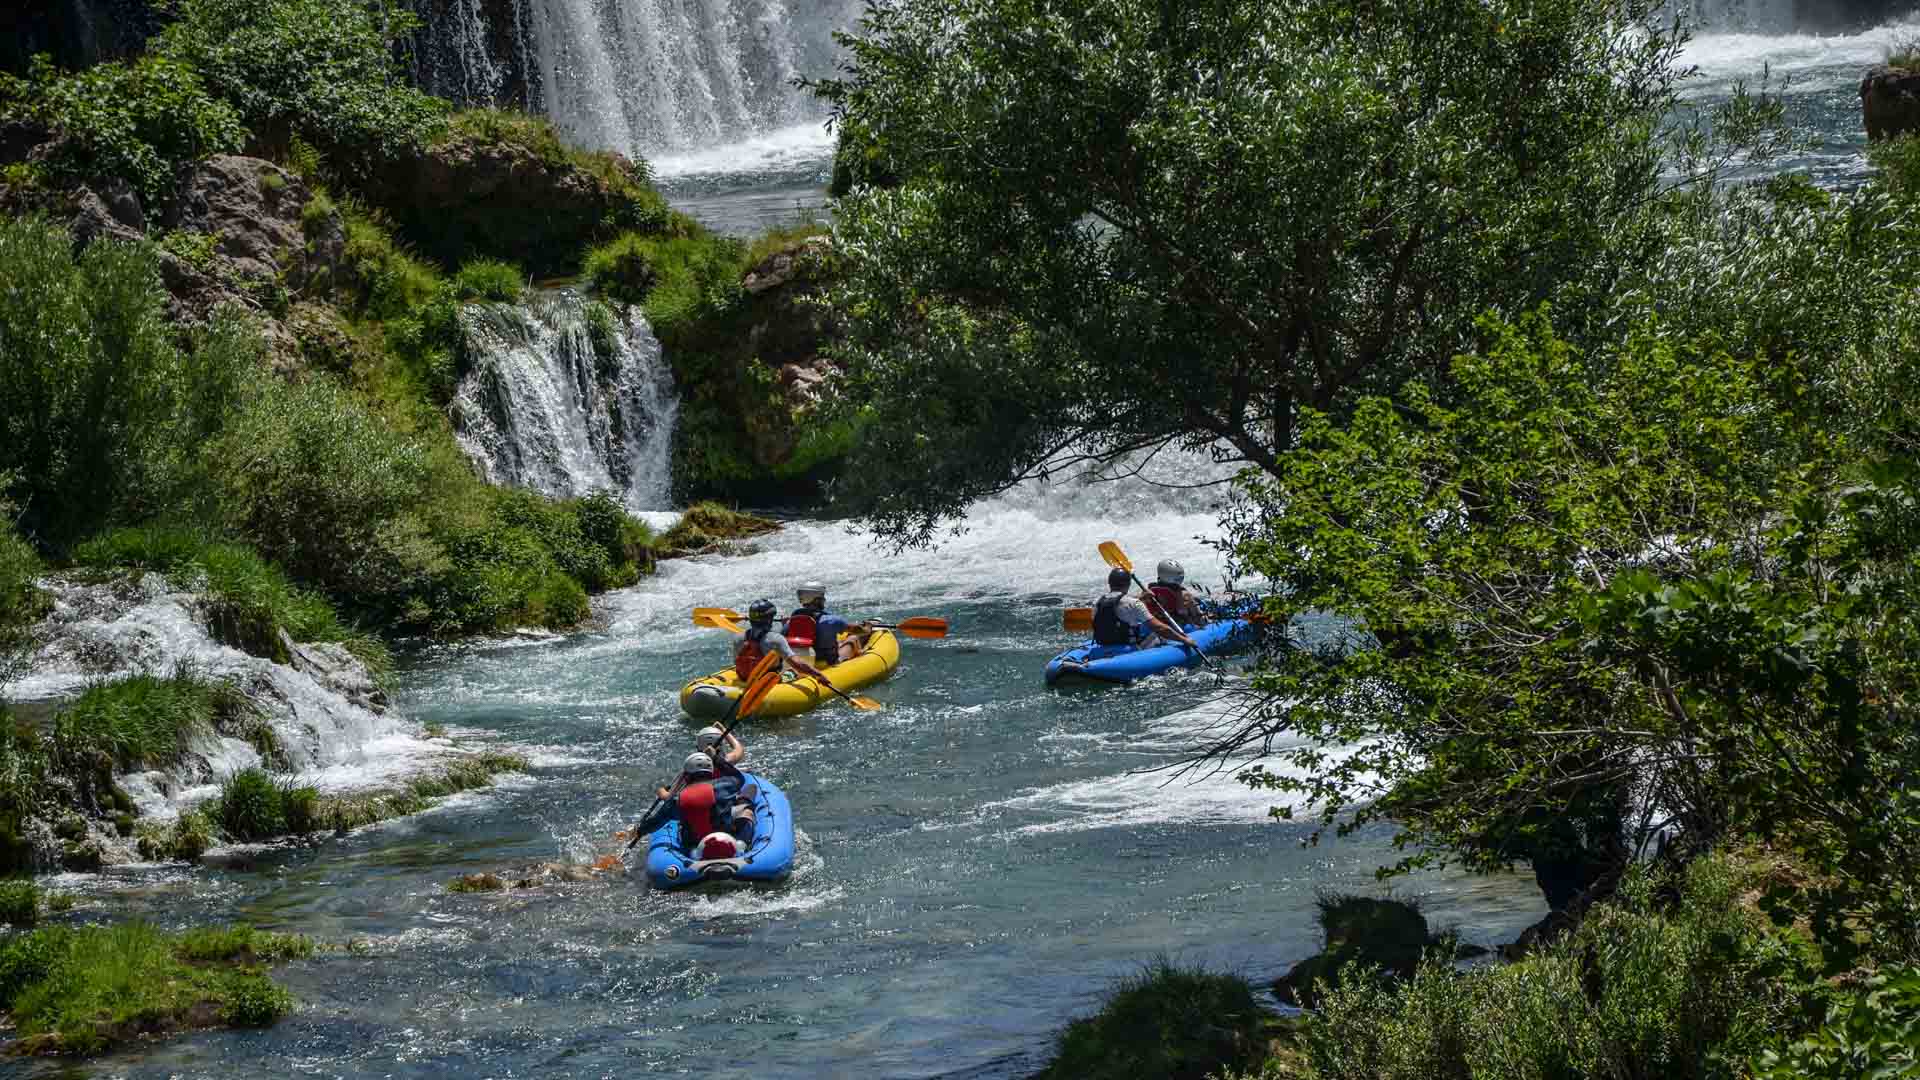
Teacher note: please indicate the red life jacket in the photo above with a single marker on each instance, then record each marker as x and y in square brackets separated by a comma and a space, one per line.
[697, 818]
[800, 630]
[1173, 602]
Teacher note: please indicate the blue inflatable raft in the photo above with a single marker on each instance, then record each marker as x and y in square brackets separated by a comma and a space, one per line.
[768, 858]
[1092, 665]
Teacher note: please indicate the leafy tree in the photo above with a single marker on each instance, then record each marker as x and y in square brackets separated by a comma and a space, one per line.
[1603, 604]
[324, 70]
[1126, 224]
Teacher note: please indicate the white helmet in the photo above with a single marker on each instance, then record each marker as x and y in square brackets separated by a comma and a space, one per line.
[696, 764]
[1172, 573]
[709, 736]
[811, 591]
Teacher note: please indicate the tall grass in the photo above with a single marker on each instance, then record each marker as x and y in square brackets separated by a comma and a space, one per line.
[146, 721]
[1164, 1022]
[82, 990]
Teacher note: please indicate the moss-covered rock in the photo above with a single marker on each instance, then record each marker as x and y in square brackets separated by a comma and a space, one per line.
[708, 528]
[750, 362]
[504, 185]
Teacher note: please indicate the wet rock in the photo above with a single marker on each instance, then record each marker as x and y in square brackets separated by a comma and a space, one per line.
[337, 670]
[1890, 102]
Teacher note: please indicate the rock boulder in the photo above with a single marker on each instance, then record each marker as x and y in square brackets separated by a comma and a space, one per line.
[1890, 102]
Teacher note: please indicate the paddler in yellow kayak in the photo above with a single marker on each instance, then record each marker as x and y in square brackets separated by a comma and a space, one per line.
[761, 638]
[833, 638]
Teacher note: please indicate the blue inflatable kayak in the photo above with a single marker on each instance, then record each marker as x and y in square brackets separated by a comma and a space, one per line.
[1091, 664]
[768, 858]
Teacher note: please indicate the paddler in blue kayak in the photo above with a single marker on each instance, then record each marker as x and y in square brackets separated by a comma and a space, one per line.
[834, 639]
[1119, 619]
[714, 811]
[1171, 590]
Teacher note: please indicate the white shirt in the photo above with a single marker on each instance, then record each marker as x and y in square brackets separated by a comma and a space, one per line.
[1132, 611]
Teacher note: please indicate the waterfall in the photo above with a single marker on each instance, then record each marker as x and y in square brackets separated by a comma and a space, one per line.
[644, 77]
[552, 402]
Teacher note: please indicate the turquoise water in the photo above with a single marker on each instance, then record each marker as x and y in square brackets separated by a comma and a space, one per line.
[980, 858]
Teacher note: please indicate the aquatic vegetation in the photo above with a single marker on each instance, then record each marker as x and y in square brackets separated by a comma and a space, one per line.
[82, 990]
[145, 721]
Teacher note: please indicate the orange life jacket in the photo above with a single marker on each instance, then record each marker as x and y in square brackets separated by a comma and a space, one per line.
[750, 653]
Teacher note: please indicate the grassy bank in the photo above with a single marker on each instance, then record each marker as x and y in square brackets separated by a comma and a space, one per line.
[82, 990]
[254, 805]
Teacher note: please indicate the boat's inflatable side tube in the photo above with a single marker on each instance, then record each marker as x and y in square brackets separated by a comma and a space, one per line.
[1091, 663]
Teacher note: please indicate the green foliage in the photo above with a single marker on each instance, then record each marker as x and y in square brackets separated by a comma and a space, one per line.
[19, 902]
[184, 840]
[145, 721]
[136, 120]
[392, 282]
[1124, 225]
[196, 249]
[603, 333]
[644, 208]
[81, 990]
[98, 405]
[21, 601]
[1875, 1033]
[252, 806]
[219, 944]
[1639, 989]
[488, 279]
[621, 269]
[709, 526]
[323, 70]
[1164, 1022]
[1898, 162]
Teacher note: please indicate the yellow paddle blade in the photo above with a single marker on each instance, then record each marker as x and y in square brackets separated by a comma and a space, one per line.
[756, 693]
[724, 613]
[1111, 552]
[863, 702]
[719, 621]
[1079, 620]
[768, 663]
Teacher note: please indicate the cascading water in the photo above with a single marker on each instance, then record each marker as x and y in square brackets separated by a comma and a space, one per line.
[551, 403]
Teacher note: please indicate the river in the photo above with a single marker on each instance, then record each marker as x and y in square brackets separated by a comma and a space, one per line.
[980, 858]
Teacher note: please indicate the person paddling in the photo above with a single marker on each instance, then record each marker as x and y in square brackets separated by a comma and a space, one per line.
[1119, 619]
[1175, 600]
[761, 638]
[715, 809]
[834, 638]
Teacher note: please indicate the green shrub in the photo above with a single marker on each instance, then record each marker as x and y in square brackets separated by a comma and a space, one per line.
[488, 279]
[322, 70]
[1639, 989]
[145, 721]
[183, 840]
[196, 249]
[392, 281]
[1875, 1033]
[21, 601]
[1897, 161]
[99, 407]
[621, 269]
[603, 331]
[1165, 1022]
[136, 120]
[19, 902]
[27, 958]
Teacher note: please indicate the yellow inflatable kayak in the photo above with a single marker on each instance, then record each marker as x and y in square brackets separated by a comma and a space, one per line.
[709, 698]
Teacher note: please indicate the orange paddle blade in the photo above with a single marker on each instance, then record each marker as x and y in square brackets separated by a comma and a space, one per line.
[1079, 620]
[606, 862]
[756, 692]
[922, 626]
[1111, 552]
